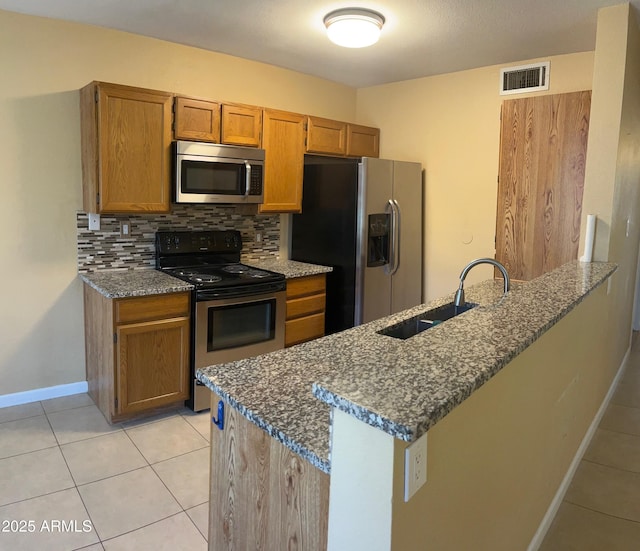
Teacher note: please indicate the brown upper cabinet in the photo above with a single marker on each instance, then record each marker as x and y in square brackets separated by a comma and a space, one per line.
[326, 136]
[197, 120]
[283, 144]
[329, 137]
[126, 136]
[125, 140]
[241, 125]
[363, 141]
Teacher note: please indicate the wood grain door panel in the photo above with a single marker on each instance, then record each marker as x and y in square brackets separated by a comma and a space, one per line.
[152, 368]
[134, 141]
[197, 120]
[326, 136]
[241, 125]
[263, 496]
[283, 143]
[363, 141]
[543, 150]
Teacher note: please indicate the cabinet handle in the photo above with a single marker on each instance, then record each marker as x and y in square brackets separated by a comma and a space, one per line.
[219, 422]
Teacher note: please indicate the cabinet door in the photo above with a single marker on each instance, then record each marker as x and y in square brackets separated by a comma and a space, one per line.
[363, 141]
[197, 120]
[284, 161]
[241, 125]
[152, 364]
[133, 143]
[543, 149]
[326, 136]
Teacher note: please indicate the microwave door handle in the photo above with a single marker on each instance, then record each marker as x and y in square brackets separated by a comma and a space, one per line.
[247, 182]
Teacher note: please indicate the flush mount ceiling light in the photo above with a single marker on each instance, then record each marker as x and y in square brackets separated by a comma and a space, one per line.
[353, 27]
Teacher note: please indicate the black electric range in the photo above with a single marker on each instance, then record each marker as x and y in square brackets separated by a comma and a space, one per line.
[210, 260]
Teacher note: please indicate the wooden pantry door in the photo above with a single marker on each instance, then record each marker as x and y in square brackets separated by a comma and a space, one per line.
[543, 149]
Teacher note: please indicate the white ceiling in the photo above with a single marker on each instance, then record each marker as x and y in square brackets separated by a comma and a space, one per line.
[419, 38]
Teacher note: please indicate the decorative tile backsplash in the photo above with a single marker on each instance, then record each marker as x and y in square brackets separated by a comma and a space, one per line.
[107, 250]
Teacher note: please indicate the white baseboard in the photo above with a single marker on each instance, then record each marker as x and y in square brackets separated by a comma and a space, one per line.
[564, 486]
[38, 394]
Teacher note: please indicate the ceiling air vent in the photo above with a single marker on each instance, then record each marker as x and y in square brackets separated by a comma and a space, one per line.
[524, 78]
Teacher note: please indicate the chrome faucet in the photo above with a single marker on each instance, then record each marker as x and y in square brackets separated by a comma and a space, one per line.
[459, 298]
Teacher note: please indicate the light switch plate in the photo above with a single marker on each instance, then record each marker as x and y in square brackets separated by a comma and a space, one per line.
[94, 222]
[415, 467]
[125, 228]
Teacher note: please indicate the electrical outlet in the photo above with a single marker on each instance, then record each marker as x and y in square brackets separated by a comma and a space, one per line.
[94, 222]
[415, 467]
[258, 237]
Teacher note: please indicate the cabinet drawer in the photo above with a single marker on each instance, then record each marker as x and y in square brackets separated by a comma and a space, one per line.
[172, 305]
[304, 306]
[302, 286]
[304, 329]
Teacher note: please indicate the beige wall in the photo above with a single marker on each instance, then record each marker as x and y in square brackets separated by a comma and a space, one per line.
[612, 178]
[495, 462]
[44, 63]
[450, 123]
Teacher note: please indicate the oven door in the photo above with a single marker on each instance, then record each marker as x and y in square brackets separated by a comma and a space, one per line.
[229, 329]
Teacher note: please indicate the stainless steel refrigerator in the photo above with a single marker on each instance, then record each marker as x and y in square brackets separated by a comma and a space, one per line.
[363, 217]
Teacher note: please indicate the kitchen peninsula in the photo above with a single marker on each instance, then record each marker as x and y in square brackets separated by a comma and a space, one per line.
[505, 403]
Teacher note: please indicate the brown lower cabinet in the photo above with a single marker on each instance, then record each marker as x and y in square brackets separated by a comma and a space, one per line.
[306, 300]
[263, 496]
[137, 352]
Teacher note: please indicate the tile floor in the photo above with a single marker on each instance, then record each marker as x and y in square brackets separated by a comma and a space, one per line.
[601, 509]
[69, 480]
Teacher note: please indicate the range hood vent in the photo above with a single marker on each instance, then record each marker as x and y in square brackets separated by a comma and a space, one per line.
[524, 78]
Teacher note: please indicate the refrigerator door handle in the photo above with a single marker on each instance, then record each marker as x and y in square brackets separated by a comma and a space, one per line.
[396, 236]
[390, 266]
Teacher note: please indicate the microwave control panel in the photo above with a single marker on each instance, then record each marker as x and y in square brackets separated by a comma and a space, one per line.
[256, 180]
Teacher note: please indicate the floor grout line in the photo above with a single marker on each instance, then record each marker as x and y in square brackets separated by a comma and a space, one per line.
[637, 435]
[613, 467]
[601, 512]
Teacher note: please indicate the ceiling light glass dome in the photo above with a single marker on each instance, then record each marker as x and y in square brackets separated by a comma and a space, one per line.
[354, 27]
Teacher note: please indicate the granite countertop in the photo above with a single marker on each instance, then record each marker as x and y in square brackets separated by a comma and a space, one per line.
[134, 283]
[401, 387]
[290, 268]
[148, 281]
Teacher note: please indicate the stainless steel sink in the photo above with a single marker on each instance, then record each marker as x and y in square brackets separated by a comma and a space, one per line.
[412, 326]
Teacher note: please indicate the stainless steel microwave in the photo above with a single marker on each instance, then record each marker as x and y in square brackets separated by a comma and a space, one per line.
[214, 173]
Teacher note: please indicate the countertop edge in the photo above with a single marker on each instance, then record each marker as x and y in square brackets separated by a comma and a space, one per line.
[291, 269]
[165, 284]
[292, 444]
